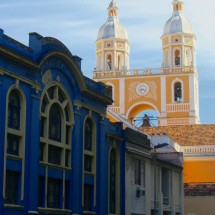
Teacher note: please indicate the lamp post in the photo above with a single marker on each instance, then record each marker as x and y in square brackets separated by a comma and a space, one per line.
[155, 175]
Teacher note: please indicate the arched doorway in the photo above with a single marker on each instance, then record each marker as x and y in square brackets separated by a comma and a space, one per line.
[143, 114]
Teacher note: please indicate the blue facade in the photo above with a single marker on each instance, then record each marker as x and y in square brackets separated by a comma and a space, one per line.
[59, 153]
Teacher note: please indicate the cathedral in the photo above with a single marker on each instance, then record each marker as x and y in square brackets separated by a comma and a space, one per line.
[171, 91]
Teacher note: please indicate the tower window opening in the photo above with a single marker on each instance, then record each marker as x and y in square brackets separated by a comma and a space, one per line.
[109, 62]
[178, 92]
[177, 58]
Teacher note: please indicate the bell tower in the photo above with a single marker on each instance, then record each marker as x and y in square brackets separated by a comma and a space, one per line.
[178, 40]
[112, 44]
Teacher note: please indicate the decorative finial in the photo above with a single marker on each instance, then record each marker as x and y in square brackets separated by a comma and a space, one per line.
[112, 9]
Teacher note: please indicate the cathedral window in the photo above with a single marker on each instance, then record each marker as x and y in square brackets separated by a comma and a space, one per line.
[108, 45]
[177, 58]
[109, 62]
[177, 92]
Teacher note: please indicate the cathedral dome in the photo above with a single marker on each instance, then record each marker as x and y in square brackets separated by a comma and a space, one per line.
[112, 27]
[178, 23]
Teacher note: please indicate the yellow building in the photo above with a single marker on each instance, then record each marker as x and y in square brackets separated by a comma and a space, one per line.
[172, 91]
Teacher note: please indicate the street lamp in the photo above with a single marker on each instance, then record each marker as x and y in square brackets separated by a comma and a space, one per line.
[155, 177]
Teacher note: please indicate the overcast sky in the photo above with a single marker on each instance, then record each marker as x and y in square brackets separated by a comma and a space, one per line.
[76, 24]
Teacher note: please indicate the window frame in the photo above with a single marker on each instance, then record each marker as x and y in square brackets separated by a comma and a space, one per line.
[19, 133]
[55, 96]
[177, 80]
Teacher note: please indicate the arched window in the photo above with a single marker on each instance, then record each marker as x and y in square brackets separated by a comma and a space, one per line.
[89, 164]
[89, 147]
[88, 135]
[55, 123]
[109, 62]
[177, 58]
[178, 92]
[112, 181]
[15, 147]
[14, 110]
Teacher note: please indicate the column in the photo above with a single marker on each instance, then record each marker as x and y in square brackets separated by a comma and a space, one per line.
[77, 161]
[32, 143]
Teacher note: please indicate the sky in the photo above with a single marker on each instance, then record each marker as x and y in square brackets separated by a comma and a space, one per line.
[76, 24]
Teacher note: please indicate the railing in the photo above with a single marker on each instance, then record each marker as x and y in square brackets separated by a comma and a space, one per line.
[178, 107]
[115, 109]
[166, 201]
[152, 203]
[142, 72]
[201, 150]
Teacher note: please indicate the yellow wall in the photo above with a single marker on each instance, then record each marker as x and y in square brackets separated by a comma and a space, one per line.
[115, 83]
[148, 99]
[169, 81]
[199, 205]
[199, 171]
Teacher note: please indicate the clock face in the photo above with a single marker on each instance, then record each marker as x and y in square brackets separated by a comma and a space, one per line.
[142, 89]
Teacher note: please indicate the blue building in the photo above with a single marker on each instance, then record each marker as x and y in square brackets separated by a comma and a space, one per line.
[59, 153]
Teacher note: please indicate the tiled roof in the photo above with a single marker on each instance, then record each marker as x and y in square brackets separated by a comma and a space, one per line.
[185, 135]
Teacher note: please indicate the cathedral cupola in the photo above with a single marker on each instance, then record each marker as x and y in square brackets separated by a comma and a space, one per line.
[178, 39]
[112, 45]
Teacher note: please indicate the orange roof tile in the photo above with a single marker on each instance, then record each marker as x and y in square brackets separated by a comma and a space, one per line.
[185, 135]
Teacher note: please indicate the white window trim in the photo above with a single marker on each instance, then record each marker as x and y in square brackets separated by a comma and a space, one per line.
[21, 133]
[174, 50]
[93, 154]
[173, 90]
[112, 61]
[63, 144]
